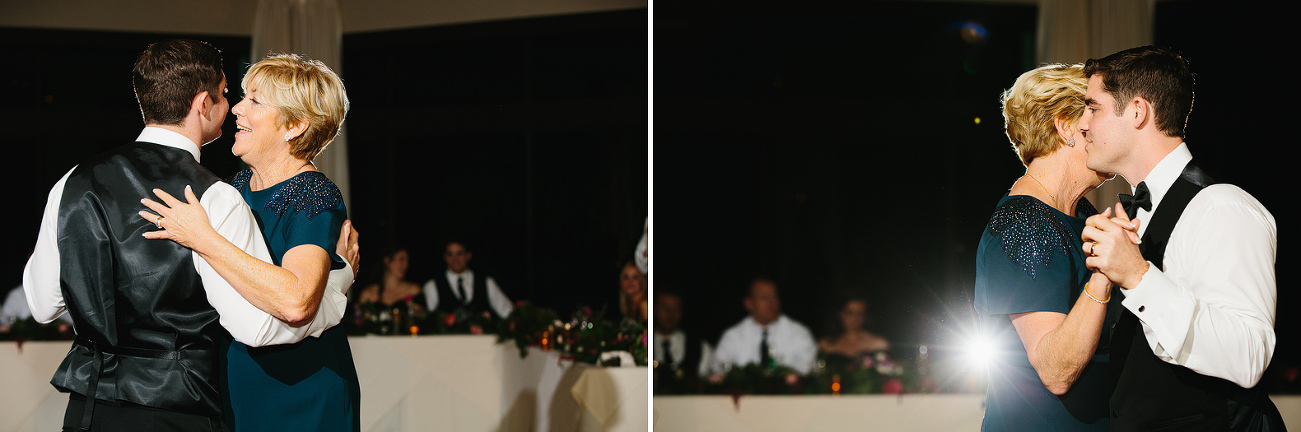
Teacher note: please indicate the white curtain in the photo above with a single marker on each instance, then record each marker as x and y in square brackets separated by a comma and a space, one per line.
[1072, 31]
[312, 28]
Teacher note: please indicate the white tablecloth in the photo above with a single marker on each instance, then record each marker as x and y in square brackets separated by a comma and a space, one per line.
[426, 383]
[612, 399]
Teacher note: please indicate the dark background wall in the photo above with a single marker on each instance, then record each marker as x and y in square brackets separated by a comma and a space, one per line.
[526, 138]
[835, 146]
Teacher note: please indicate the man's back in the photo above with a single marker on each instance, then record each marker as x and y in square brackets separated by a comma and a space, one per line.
[138, 305]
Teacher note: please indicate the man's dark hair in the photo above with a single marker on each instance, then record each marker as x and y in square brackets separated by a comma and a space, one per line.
[1159, 75]
[168, 75]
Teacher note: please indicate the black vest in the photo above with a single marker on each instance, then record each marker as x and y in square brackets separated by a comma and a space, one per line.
[1150, 394]
[449, 302]
[145, 331]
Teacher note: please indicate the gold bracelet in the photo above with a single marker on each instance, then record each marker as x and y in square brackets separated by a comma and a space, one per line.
[1086, 292]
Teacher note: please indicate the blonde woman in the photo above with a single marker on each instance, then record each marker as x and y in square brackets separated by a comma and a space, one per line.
[1041, 310]
[292, 109]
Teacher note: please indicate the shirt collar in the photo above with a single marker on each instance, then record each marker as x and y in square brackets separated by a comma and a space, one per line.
[755, 324]
[468, 275]
[1164, 174]
[168, 138]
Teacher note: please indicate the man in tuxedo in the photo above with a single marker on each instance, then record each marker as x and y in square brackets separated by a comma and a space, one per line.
[149, 315]
[460, 288]
[766, 336]
[1197, 327]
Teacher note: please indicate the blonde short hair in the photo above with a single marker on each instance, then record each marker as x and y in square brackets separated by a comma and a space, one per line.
[302, 90]
[1039, 97]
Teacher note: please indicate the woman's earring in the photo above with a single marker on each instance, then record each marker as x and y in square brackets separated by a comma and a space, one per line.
[1070, 143]
[290, 136]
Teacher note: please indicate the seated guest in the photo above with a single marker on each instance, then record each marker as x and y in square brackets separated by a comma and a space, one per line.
[459, 288]
[14, 308]
[847, 339]
[679, 358]
[632, 294]
[766, 336]
[393, 287]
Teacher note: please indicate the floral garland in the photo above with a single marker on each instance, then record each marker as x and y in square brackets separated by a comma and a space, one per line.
[30, 330]
[583, 338]
[876, 373]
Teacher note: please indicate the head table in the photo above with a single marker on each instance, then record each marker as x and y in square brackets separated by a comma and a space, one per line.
[472, 383]
[424, 383]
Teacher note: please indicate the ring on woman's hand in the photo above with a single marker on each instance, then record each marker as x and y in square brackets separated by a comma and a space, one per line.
[159, 223]
[1091, 244]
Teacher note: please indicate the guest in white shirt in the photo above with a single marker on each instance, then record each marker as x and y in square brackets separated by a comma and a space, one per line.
[766, 336]
[15, 308]
[1197, 328]
[680, 355]
[458, 287]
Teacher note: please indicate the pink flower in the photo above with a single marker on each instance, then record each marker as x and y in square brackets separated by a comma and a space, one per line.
[449, 319]
[892, 386]
[792, 379]
[716, 378]
[476, 330]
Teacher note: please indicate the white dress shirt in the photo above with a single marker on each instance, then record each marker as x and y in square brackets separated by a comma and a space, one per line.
[498, 300]
[678, 348]
[1211, 309]
[231, 217]
[790, 343]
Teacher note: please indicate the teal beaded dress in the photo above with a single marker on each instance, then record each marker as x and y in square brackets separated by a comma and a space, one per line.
[311, 385]
[1031, 259]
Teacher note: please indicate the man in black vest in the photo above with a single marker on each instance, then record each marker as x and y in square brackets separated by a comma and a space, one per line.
[681, 359]
[1197, 326]
[461, 288]
[149, 315]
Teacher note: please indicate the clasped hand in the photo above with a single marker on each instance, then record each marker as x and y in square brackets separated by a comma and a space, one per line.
[1111, 243]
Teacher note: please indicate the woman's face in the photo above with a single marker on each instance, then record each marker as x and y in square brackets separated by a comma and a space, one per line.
[259, 130]
[854, 314]
[632, 281]
[397, 263]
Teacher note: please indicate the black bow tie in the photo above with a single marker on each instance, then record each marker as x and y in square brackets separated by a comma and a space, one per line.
[1142, 198]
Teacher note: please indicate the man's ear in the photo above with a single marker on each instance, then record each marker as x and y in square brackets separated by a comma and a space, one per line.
[1142, 112]
[201, 104]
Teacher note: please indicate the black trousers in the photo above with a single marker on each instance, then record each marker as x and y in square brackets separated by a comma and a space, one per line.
[126, 416]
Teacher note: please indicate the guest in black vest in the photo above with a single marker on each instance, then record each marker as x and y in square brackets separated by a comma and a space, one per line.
[149, 315]
[681, 359]
[1197, 326]
[461, 288]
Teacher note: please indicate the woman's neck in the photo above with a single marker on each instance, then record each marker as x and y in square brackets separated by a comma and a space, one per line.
[1051, 183]
[276, 170]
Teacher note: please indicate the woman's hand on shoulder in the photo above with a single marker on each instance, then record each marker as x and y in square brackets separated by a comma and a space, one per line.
[184, 222]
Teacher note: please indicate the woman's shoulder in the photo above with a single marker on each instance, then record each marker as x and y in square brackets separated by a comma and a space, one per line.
[1028, 232]
[309, 194]
[240, 179]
